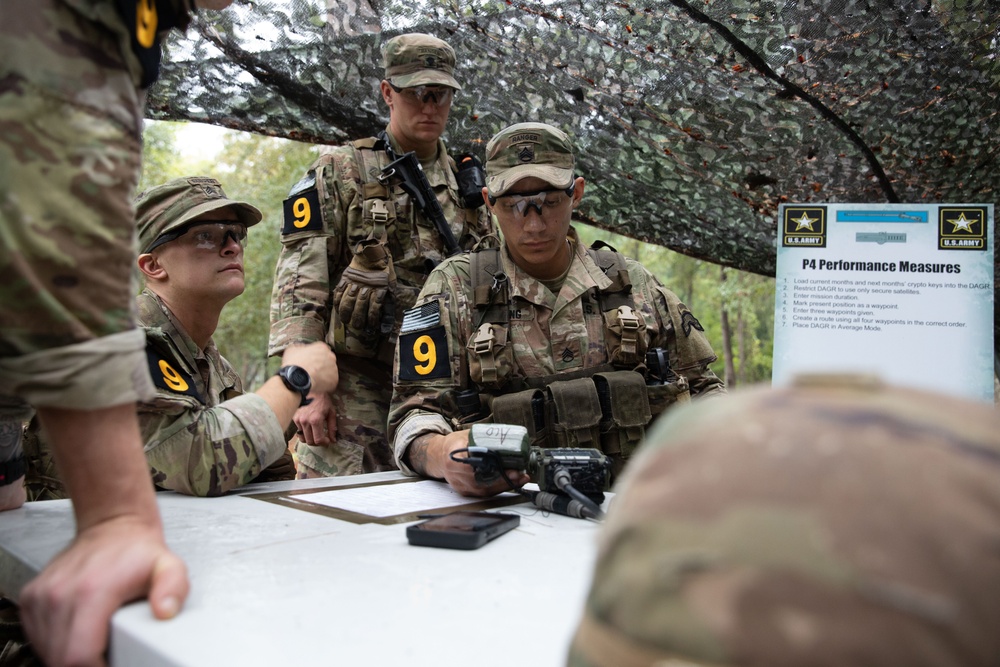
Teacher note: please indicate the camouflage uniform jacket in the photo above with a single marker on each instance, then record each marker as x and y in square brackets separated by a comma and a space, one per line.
[550, 334]
[141, 52]
[203, 435]
[314, 256]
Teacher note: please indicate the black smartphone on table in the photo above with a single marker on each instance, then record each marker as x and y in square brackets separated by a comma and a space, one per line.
[461, 530]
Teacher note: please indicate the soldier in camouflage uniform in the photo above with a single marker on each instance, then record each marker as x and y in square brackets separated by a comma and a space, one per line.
[590, 338]
[203, 436]
[836, 521]
[74, 73]
[356, 249]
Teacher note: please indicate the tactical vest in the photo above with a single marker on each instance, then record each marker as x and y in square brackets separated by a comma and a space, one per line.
[604, 407]
[378, 203]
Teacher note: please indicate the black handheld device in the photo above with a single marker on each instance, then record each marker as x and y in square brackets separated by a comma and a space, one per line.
[461, 530]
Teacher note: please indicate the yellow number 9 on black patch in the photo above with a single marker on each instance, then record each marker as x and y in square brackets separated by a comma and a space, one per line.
[168, 376]
[423, 355]
[301, 213]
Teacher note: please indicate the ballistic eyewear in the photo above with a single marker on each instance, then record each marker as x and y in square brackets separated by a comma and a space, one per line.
[206, 234]
[540, 200]
[437, 95]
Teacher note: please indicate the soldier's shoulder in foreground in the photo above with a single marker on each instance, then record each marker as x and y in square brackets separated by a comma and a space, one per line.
[833, 521]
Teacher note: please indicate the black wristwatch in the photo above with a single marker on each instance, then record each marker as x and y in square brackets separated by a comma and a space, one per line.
[297, 379]
[11, 471]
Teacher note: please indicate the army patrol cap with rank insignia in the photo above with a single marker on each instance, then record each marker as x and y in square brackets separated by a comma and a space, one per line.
[528, 149]
[174, 204]
[416, 59]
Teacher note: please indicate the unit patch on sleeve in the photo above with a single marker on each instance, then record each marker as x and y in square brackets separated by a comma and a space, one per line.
[423, 344]
[301, 210]
[166, 375]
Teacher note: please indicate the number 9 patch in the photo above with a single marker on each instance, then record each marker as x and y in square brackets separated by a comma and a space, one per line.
[166, 374]
[301, 213]
[423, 355]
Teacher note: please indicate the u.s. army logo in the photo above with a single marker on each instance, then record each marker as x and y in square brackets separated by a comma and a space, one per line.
[962, 228]
[804, 227]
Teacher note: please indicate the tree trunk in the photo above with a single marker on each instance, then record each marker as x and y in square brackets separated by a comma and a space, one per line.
[727, 340]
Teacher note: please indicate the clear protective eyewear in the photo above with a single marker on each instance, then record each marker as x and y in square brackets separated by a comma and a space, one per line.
[439, 96]
[540, 200]
[206, 235]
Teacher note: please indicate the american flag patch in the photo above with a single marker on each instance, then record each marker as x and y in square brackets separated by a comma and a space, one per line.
[421, 317]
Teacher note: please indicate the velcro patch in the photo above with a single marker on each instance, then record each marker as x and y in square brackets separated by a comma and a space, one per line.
[302, 213]
[166, 376]
[689, 321]
[423, 355]
[421, 317]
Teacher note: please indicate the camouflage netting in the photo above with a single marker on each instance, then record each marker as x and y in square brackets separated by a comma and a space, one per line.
[693, 120]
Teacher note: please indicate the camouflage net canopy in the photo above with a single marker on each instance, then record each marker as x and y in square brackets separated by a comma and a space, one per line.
[693, 120]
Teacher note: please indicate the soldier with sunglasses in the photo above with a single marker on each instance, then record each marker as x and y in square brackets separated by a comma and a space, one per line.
[583, 347]
[356, 249]
[203, 435]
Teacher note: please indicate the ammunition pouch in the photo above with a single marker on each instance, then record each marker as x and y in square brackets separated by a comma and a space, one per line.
[625, 412]
[490, 356]
[625, 336]
[526, 408]
[576, 414]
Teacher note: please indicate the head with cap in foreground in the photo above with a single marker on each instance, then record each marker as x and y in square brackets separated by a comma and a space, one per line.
[532, 190]
[832, 522]
[191, 241]
[418, 88]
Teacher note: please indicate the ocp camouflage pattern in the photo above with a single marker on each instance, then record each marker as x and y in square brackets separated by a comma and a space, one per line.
[549, 334]
[836, 521]
[310, 266]
[202, 435]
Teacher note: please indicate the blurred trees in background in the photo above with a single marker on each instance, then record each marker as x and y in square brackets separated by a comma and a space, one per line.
[736, 308]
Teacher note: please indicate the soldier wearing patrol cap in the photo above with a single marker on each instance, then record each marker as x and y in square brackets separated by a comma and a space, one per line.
[203, 436]
[356, 249]
[836, 521]
[584, 347]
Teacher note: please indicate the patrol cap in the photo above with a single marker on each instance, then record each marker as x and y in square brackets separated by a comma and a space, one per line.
[166, 207]
[835, 521]
[416, 59]
[528, 149]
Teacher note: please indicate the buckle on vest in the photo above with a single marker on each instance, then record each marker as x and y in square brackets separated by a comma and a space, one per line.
[380, 214]
[628, 319]
[483, 342]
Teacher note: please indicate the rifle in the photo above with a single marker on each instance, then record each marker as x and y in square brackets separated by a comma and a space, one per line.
[409, 175]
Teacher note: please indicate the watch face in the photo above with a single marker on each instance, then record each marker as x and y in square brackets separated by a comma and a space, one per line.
[298, 377]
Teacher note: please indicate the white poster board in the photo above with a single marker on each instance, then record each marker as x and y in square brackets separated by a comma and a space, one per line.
[904, 291]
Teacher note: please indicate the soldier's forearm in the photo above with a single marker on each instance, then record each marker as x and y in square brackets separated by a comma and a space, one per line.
[423, 454]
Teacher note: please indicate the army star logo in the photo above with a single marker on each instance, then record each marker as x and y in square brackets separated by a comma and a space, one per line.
[961, 222]
[804, 222]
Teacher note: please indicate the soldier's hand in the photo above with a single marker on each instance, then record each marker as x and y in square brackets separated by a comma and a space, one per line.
[319, 361]
[359, 297]
[461, 476]
[317, 422]
[364, 286]
[66, 610]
